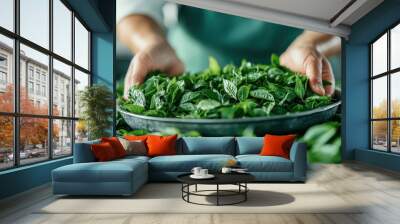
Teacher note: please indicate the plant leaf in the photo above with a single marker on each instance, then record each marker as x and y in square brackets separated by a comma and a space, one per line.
[230, 88]
[214, 66]
[275, 60]
[299, 88]
[262, 94]
[243, 93]
[208, 104]
[137, 97]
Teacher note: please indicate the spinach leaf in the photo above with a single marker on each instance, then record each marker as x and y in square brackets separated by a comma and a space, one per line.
[243, 93]
[137, 97]
[214, 66]
[262, 94]
[189, 96]
[208, 104]
[230, 88]
[300, 88]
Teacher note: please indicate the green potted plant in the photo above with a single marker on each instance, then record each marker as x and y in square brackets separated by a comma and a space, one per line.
[96, 103]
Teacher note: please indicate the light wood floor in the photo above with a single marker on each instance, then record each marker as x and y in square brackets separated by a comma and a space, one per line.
[377, 188]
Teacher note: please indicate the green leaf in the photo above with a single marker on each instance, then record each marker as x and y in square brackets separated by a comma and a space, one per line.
[230, 88]
[299, 88]
[275, 60]
[208, 104]
[254, 76]
[137, 97]
[133, 108]
[214, 66]
[262, 94]
[243, 93]
[227, 112]
[189, 96]
[187, 106]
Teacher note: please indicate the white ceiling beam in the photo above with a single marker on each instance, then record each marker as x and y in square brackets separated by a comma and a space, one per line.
[268, 15]
[347, 12]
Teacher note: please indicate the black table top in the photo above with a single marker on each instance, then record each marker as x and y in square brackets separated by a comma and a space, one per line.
[220, 178]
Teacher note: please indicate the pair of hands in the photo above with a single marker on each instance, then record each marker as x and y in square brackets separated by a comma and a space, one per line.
[302, 58]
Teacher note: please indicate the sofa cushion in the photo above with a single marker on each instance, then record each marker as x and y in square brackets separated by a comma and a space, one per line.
[83, 152]
[112, 171]
[207, 145]
[277, 145]
[103, 152]
[257, 163]
[249, 145]
[185, 163]
[116, 145]
[161, 145]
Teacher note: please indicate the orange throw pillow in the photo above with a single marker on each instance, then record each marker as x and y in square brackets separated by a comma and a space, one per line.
[277, 145]
[161, 145]
[136, 137]
[116, 145]
[103, 152]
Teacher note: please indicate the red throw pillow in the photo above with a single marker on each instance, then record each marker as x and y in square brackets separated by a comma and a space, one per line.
[277, 145]
[103, 151]
[136, 137]
[161, 145]
[116, 145]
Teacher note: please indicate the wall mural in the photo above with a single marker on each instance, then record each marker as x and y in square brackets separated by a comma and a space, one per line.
[223, 75]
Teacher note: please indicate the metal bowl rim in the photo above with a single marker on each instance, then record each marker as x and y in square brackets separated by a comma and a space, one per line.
[235, 120]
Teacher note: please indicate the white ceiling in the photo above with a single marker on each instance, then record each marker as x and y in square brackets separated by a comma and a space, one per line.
[321, 9]
[327, 16]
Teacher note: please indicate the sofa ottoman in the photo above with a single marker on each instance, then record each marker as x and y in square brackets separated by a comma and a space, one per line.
[119, 177]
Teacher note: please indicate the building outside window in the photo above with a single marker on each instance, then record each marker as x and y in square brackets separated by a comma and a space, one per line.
[57, 127]
[30, 87]
[385, 94]
[30, 72]
[43, 90]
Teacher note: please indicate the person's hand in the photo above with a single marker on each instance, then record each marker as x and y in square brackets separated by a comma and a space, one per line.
[159, 56]
[307, 60]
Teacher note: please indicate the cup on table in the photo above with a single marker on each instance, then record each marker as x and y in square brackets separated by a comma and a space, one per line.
[203, 172]
[196, 171]
[226, 170]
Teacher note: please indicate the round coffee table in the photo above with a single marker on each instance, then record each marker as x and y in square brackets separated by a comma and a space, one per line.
[238, 179]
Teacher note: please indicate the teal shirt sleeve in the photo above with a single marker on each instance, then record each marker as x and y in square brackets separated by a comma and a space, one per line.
[201, 33]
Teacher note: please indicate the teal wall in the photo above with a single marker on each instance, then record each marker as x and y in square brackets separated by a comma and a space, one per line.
[355, 97]
[99, 15]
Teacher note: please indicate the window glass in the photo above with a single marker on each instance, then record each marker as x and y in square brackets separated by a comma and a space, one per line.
[7, 14]
[395, 136]
[81, 45]
[379, 97]
[62, 29]
[6, 142]
[33, 140]
[395, 94]
[62, 91]
[34, 21]
[81, 81]
[379, 56]
[62, 137]
[81, 131]
[379, 135]
[395, 47]
[6, 74]
[39, 62]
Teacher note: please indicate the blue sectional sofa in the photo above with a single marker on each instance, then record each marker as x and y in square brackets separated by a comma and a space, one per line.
[125, 176]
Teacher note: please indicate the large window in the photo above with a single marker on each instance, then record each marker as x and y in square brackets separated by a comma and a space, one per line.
[44, 64]
[385, 91]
